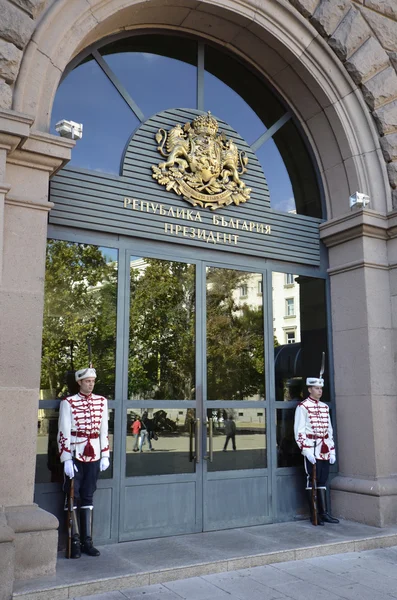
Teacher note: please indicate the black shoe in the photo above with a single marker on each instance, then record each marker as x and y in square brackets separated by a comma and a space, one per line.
[86, 517]
[88, 548]
[75, 551]
[323, 508]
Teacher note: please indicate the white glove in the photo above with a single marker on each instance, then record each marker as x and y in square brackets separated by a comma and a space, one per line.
[332, 460]
[104, 464]
[69, 468]
[310, 457]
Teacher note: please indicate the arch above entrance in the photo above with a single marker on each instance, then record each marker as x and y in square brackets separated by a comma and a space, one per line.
[274, 38]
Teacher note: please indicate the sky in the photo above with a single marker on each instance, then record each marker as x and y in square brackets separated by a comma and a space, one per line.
[155, 83]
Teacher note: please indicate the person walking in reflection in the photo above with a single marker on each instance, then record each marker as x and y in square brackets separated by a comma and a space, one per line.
[136, 428]
[230, 430]
[146, 430]
[83, 445]
[315, 438]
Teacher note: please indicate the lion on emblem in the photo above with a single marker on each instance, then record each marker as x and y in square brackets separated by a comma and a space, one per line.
[201, 164]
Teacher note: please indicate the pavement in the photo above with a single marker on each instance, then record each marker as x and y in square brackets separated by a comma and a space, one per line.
[277, 561]
[368, 575]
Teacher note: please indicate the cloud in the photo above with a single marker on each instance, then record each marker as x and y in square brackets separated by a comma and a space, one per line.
[284, 205]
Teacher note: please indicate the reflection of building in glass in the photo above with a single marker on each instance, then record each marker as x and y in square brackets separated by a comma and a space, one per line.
[286, 308]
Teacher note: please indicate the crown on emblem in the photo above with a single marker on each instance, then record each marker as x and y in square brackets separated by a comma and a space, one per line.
[205, 124]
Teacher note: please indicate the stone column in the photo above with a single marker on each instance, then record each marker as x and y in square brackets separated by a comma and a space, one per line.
[31, 158]
[365, 379]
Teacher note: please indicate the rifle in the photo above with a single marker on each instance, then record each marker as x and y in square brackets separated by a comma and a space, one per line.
[314, 472]
[70, 518]
[314, 494]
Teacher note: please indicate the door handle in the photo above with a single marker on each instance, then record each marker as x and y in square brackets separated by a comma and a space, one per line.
[211, 440]
[210, 424]
[197, 439]
[191, 429]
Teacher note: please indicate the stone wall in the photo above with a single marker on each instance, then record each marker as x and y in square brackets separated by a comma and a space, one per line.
[362, 33]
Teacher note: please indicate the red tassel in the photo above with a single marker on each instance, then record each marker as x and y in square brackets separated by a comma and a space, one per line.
[324, 448]
[89, 450]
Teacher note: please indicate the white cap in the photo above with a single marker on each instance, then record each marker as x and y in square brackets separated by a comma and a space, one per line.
[85, 374]
[314, 382]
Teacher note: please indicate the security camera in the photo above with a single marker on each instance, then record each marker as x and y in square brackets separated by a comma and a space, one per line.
[359, 200]
[69, 129]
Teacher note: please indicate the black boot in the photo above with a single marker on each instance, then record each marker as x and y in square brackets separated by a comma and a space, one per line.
[309, 498]
[86, 532]
[322, 507]
[75, 551]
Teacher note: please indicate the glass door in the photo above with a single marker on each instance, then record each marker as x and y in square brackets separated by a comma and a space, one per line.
[161, 482]
[195, 449]
[236, 482]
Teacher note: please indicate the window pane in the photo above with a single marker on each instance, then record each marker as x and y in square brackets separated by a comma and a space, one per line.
[224, 103]
[234, 93]
[239, 439]
[235, 341]
[162, 330]
[280, 188]
[80, 304]
[160, 442]
[288, 453]
[300, 335]
[159, 72]
[87, 96]
[49, 468]
[300, 170]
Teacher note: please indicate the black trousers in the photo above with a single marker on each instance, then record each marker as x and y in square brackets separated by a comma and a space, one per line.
[322, 472]
[230, 436]
[85, 480]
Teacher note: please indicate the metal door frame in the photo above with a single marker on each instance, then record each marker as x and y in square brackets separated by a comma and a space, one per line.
[127, 246]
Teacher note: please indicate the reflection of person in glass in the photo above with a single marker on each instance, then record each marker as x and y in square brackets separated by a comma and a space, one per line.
[136, 429]
[314, 436]
[146, 432]
[83, 445]
[230, 431]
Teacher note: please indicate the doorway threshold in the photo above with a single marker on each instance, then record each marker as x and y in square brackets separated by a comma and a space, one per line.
[153, 561]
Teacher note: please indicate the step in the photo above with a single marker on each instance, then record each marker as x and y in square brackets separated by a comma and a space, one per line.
[146, 562]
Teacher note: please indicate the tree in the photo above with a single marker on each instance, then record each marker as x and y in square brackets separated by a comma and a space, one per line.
[235, 342]
[79, 303]
[162, 330]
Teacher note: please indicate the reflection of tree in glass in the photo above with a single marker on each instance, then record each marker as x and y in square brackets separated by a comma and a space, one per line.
[80, 302]
[235, 350]
[162, 331]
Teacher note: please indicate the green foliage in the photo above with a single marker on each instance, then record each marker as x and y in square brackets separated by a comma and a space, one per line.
[162, 330]
[235, 344]
[79, 302]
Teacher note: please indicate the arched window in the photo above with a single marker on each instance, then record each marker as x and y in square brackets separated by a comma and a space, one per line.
[117, 85]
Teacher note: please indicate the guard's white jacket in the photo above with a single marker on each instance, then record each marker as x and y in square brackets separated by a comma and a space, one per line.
[83, 428]
[313, 429]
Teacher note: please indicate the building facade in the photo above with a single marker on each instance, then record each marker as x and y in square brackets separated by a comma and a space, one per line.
[320, 78]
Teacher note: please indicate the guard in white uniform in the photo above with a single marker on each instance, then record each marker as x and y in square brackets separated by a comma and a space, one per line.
[83, 445]
[315, 438]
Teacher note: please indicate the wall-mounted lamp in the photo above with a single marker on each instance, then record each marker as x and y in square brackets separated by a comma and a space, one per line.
[69, 129]
[359, 200]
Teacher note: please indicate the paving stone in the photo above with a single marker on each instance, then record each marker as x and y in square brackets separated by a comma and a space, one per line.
[150, 592]
[269, 575]
[243, 586]
[384, 584]
[318, 576]
[307, 591]
[357, 591]
[196, 588]
[106, 596]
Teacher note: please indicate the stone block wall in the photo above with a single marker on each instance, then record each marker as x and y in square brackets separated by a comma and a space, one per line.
[362, 33]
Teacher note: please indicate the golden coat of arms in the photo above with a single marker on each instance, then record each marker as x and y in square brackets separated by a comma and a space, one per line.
[201, 165]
